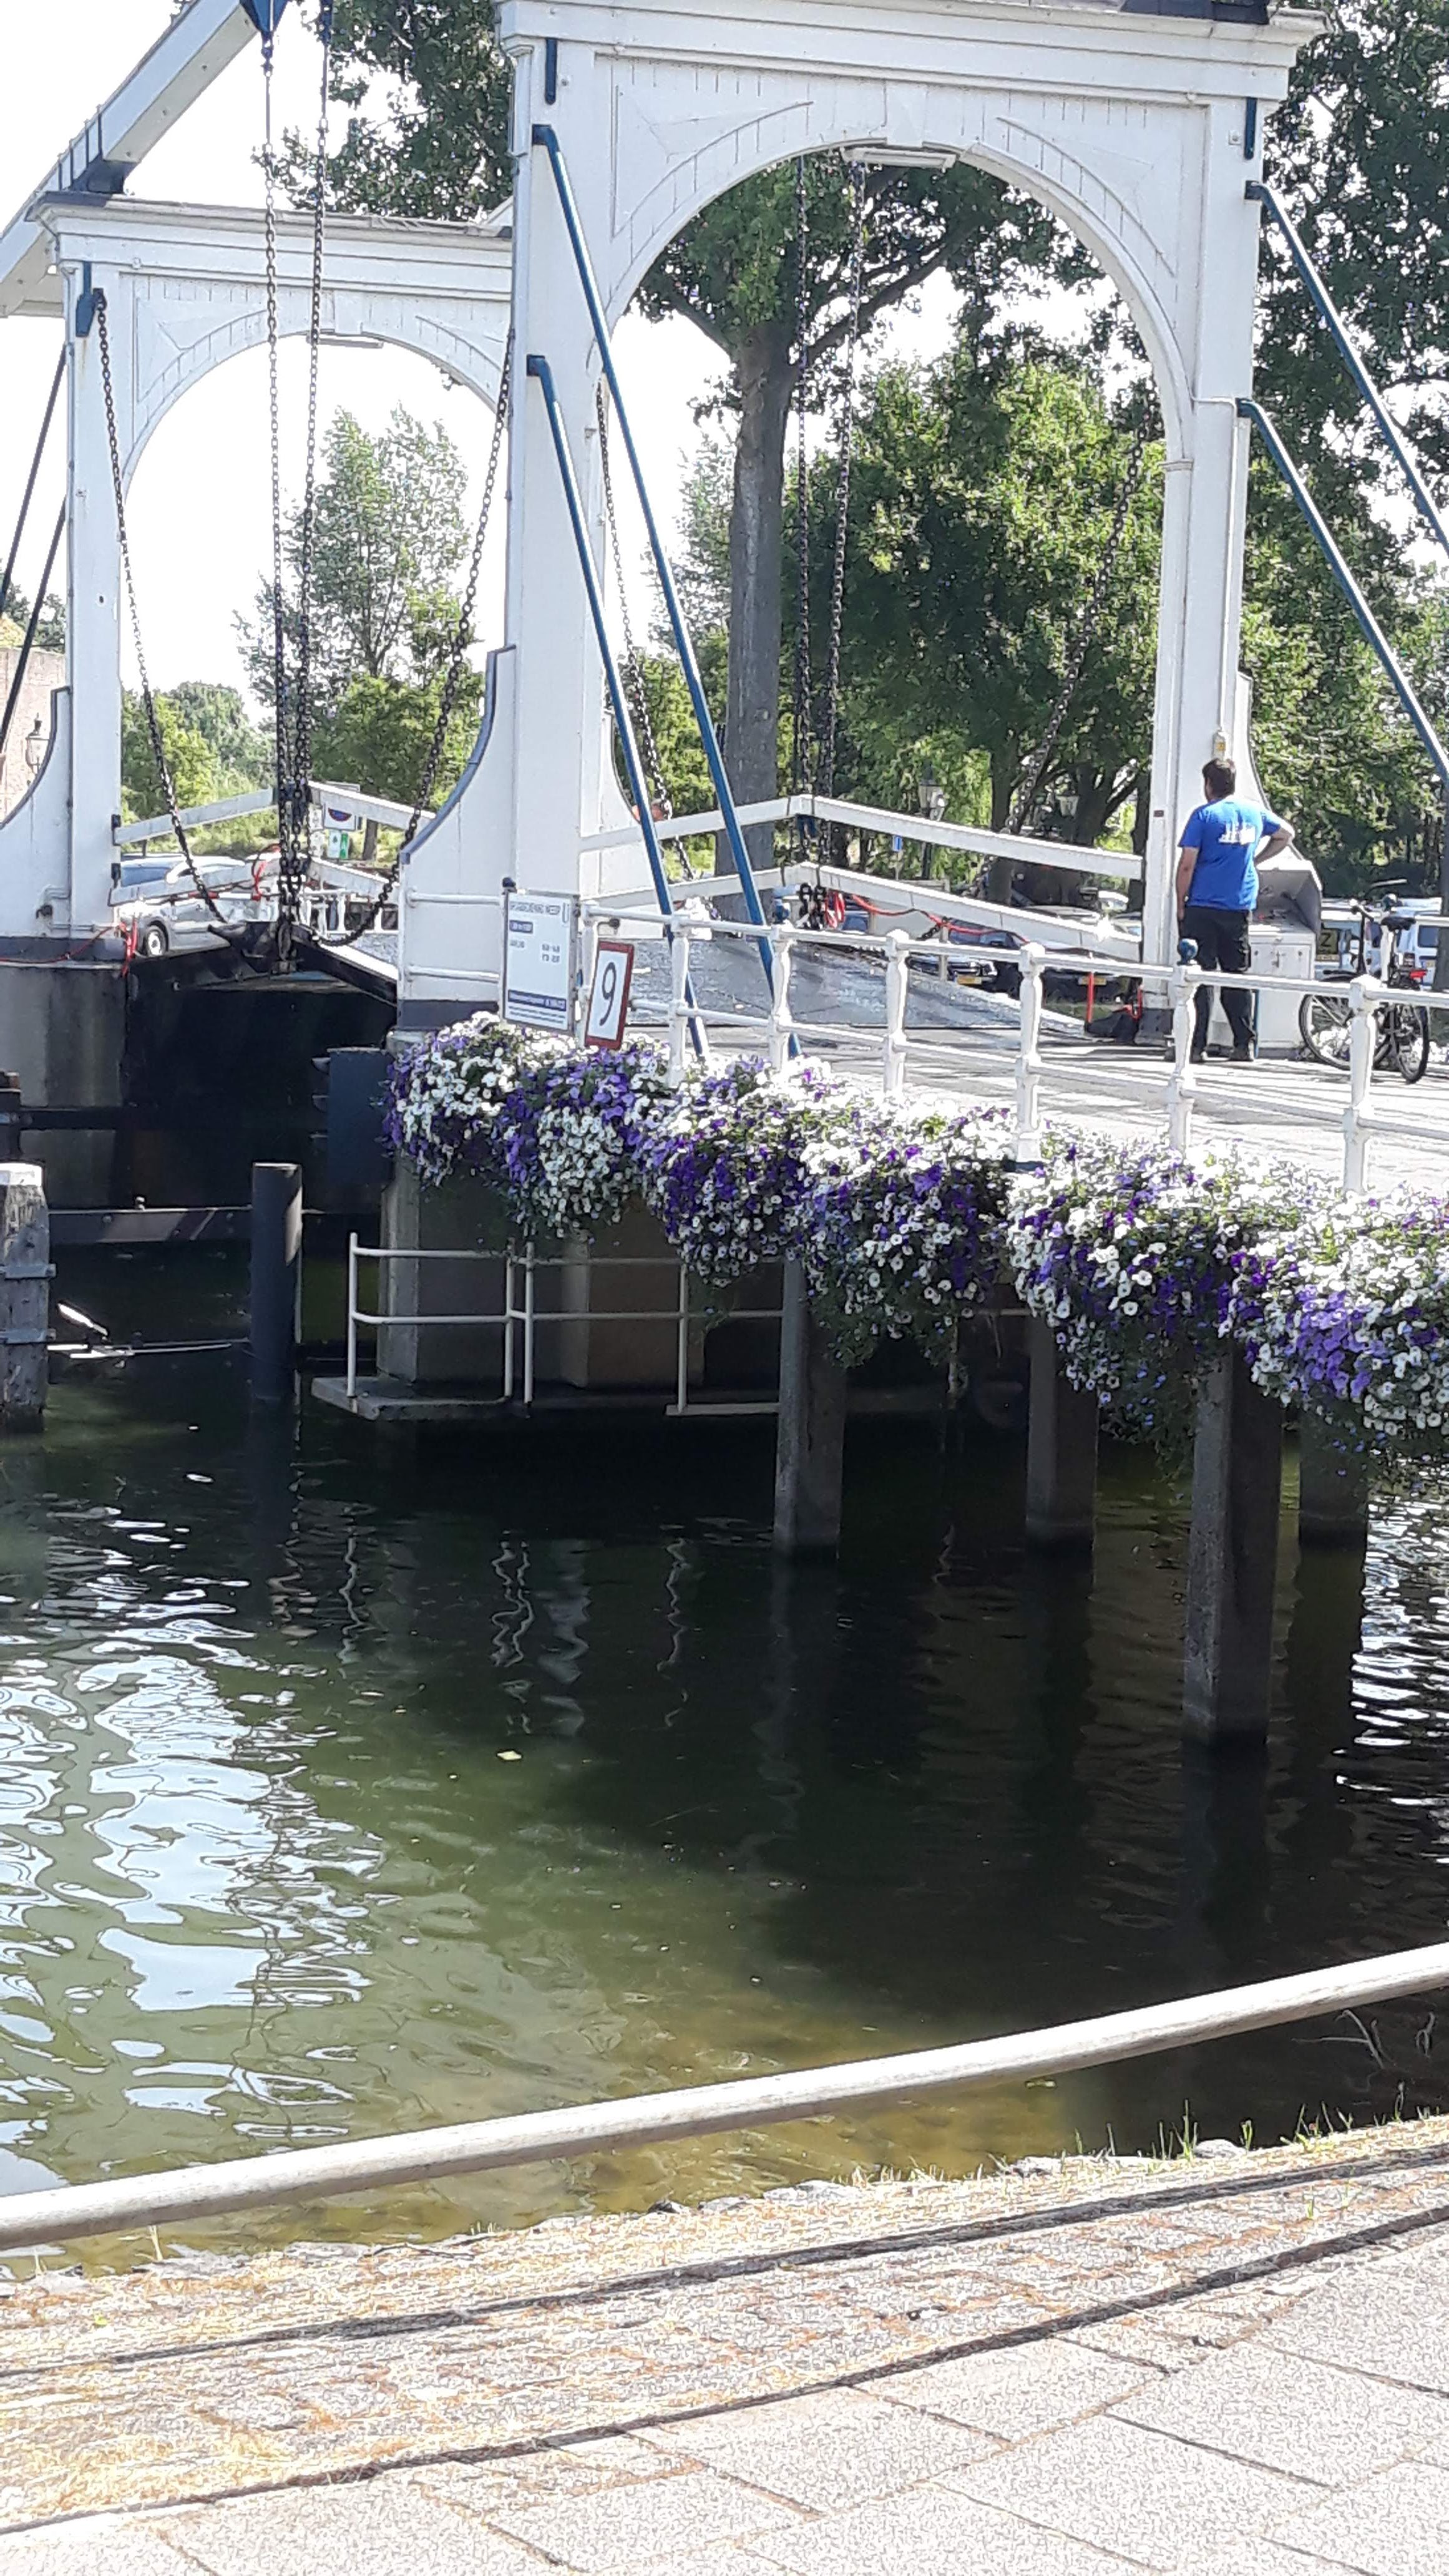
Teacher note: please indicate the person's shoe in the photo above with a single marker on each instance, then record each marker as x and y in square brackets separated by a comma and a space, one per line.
[1245, 1055]
[1197, 1055]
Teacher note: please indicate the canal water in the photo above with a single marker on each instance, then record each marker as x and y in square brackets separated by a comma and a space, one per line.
[348, 1785]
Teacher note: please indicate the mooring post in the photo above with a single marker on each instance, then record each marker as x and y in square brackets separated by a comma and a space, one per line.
[276, 1279]
[25, 1275]
[1232, 1559]
[810, 1442]
[1061, 1450]
[1333, 1487]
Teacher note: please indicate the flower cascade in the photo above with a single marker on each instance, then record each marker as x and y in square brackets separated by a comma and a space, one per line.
[725, 1168]
[1347, 1314]
[907, 1203]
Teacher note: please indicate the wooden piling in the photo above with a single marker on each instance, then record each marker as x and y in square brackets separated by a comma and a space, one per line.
[810, 1442]
[1333, 1488]
[276, 1279]
[1232, 1554]
[1061, 1450]
[25, 1275]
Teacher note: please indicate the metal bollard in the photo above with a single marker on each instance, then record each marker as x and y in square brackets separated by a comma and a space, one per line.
[1359, 1121]
[276, 1279]
[1028, 1062]
[781, 1024]
[893, 1053]
[1182, 1086]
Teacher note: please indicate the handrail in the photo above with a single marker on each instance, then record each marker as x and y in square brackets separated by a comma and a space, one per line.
[1348, 351]
[545, 136]
[1018, 846]
[706, 2110]
[1328, 547]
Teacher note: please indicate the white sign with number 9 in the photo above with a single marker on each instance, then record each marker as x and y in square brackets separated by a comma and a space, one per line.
[609, 993]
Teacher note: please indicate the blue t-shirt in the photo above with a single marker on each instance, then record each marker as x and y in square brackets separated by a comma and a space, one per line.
[1227, 837]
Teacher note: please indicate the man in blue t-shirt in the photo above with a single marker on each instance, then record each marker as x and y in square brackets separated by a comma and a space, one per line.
[1217, 888]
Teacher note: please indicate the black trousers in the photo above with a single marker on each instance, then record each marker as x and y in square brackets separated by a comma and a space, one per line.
[1222, 941]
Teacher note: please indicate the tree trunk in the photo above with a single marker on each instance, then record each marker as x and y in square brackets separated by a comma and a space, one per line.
[765, 374]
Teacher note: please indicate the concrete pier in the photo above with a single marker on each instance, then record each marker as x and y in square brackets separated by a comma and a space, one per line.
[1061, 1450]
[276, 1279]
[1333, 1488]
[1232, 1554]
[24, 1295]
[810, 1443]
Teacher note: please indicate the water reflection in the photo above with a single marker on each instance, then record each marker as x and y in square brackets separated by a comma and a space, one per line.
[268, 1876]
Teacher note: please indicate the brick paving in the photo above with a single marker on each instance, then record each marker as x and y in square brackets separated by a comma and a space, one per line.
[1237, 2366]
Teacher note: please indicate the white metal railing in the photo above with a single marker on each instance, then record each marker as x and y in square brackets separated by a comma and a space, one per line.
[779, 1028]
[932, 834]
[36, 2218]
[519, 1316]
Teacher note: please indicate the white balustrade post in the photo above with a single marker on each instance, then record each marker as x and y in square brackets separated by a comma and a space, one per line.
[893, 1054]
[1182, 1088]
[352, 1317]
[510, 1318]
[781, 1024]
[682, 1351]
[678, 1000]
[1028, 1061]
[528, 1317]
[1359, 1121]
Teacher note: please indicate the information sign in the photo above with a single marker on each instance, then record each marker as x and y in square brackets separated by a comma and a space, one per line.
[538, 954]
[609, 993]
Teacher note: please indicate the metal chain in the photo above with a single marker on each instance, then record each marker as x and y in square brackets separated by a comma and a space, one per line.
[846, 441]
[296, 852]
[282, 745]
[1081, 643]
[148, 700]
[633, 663]
[462, 638]
[800, 745]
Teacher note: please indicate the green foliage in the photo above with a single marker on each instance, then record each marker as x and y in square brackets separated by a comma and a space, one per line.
[49, 634]
[439, 146]
[189, 757]
[377, 734]
[984, 493]
[242, 752]
[389, 539]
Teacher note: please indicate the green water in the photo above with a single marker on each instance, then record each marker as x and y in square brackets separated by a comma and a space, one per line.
[270, 1873]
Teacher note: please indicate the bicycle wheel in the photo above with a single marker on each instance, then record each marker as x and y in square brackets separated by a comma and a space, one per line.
[1408, 1041]
[1323, 1021]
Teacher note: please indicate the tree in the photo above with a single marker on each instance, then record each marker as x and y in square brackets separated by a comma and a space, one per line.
[376, 735]
[189, 758]
[437, 145]
[50, 632]
[389, 536]
[985, 490]
[242, 752]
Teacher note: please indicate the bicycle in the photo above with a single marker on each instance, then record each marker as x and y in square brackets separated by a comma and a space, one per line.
[1401, 1039]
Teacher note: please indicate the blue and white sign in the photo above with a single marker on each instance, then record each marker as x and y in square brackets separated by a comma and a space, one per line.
[538, 961]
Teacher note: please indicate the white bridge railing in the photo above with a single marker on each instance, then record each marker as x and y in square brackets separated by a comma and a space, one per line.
[780, 1030]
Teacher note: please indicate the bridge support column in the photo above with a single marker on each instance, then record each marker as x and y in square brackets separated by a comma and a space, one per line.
[810, 1443]
[24, 1295]
[276, 1279]
[1333, 1488]
[1232, 1555]
[1061, 1450]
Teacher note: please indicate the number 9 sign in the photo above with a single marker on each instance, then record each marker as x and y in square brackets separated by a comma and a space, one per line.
[609, 993]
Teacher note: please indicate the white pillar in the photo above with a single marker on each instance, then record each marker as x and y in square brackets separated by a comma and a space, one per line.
[557, 732]
[1200, 610]
[93, 623]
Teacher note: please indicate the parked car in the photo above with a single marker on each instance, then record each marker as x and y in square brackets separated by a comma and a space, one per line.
[172, 917]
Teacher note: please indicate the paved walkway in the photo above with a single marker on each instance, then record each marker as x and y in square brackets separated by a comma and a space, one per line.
[1238, 2366]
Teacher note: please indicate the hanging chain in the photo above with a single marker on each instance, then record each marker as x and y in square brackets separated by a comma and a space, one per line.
[633, 661]
[148, 700]
[845, 436]
[296, 849]
[1082, 639]
[801, 778]
[453, 678]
